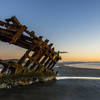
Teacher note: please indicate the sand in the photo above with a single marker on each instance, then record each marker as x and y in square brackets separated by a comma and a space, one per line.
[65, 89]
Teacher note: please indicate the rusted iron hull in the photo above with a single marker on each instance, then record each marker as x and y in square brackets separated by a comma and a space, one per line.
[26, 78]
[38, 61]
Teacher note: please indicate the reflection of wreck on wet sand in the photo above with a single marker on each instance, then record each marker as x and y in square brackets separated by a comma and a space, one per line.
[36, 64]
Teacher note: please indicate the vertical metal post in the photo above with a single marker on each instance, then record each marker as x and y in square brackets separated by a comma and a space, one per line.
[22, 60]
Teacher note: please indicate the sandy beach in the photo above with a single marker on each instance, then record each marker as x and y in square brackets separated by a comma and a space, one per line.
[62, 89]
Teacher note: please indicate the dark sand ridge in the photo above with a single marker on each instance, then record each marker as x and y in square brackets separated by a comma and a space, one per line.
[74, 71]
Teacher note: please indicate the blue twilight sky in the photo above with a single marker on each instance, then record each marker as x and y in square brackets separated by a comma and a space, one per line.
[72, 25]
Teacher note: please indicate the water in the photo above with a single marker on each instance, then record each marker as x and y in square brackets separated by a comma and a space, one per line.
[66, 89]
[90, 65]
[67, 86]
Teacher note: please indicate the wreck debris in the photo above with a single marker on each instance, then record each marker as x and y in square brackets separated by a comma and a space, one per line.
[36, 64]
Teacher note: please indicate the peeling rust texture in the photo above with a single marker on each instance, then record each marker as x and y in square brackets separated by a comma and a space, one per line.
[38, 60]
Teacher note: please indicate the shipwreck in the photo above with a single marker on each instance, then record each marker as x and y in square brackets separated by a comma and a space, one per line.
[35, 65]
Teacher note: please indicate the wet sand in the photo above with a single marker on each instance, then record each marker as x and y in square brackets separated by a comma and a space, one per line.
[56, 90]
[73, 71]
[64, 89]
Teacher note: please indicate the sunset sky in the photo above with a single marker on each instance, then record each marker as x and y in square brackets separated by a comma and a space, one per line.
[72, 25]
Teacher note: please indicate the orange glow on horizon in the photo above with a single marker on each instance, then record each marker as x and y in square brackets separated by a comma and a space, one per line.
[82, 57]
[15, 53]
[64, 57]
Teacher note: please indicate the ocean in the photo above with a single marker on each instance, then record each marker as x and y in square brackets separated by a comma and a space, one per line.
[75, 81]
[90, 65]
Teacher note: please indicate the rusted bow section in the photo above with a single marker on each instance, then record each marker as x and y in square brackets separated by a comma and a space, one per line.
[36, 64]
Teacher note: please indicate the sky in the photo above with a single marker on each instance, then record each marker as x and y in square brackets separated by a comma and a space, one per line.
[72, 25]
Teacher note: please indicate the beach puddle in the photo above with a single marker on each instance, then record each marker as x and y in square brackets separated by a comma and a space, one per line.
[72, 77]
